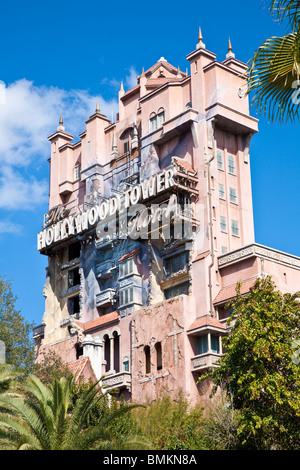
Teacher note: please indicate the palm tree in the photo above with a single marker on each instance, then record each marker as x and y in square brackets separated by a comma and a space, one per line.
[274, 69]
[45, 420]
[8, 373]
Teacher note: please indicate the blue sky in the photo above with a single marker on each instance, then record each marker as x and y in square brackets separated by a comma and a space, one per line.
[61, 57]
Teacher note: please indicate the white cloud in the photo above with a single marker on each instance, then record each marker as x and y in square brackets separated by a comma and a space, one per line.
[20, 193]
[131, 79]
[9, 227]
[31, 113]
[28, 115]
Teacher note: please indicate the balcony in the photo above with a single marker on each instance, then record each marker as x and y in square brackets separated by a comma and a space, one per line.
[70, 291]
[65, 188]
[205, 361]
[131, 171]
[118, 380]
[38, 331]
[105, 298]
[106, 242]
[104, 270]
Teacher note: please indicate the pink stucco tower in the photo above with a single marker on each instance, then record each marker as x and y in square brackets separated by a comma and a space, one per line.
[150, 227]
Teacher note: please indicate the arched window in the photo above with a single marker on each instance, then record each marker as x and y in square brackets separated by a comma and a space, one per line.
[147, 359]
[152, 122]
[160, 117]
[156, 120]
[107, 352]
[158, 356]
[126, 364]
[116, 340]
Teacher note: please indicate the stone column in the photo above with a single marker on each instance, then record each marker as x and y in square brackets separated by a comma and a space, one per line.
[92, 347]
[111, 343]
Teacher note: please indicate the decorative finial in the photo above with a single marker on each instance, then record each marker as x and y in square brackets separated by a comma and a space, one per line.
[135, 138]
[143, 72]
[114, 147]
[97, 107]
[178, 72]
[61, 124]
[122, 87]
[230, 53]
[200, 39]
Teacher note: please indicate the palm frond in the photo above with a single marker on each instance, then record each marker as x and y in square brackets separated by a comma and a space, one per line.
[286, 10]
[17, 430]
[86, 403]
[273, 70]
[9, 372]
[25, 419]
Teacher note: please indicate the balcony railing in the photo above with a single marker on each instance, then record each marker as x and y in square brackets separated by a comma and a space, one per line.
[118, 380]
[205, 361]
[104, 270]
[38, 331]
[105, 297]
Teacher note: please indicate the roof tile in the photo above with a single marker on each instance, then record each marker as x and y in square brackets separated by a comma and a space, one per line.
[129, 255]
[107, 318]
[184, 165]
[229, 292]
[206, 320]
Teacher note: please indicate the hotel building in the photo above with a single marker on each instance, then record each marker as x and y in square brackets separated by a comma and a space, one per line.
[150, 227]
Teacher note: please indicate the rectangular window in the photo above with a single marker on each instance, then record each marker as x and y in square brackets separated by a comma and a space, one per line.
[126, 366]
[74, 251]
[223, 224]
[221, 191]
[215, 345]
[202, 344]
[76, 172]
[177, 290]
[224, 249]
[176, 263]
[232, 195]
[126, 146]
[235, 228]
[126, 267]
[220, 160]
[126, 296]
[73, 277]
[231, 165]
[74, 306]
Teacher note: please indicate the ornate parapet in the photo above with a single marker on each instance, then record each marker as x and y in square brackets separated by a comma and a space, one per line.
[118, 380]
[105, 298]
[205, 361]
[259, 251]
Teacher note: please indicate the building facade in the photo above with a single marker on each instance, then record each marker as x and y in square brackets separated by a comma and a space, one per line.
[150, 227]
